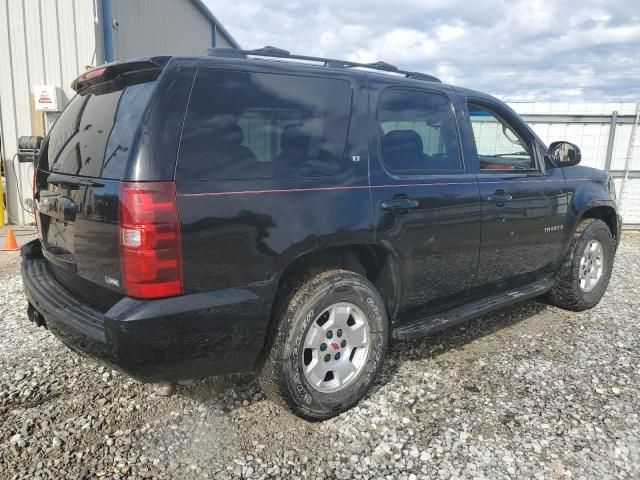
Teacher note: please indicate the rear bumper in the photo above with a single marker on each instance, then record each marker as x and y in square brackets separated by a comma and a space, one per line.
[177, 338]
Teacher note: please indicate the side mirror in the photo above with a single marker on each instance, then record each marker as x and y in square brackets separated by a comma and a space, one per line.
[565, 154]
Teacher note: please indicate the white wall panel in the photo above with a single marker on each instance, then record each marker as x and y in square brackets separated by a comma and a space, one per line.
[621, 148]
[51, 36]
[34, 41]
[19, 121]
[629, 200]
[68, 41]
[7, 110]
[159, 27]
[221, 41]
[593, 139]
[87, 54]
[41, 42]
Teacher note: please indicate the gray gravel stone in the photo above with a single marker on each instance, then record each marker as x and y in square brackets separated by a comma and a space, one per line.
[529, 391]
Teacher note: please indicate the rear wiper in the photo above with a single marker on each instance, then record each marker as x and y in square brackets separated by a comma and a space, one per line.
[73, 183]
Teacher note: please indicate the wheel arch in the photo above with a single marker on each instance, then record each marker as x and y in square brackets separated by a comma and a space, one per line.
[373, 261]
[602, 211]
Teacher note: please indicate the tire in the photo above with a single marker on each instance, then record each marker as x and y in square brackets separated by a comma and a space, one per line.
[304, 316]
[567, 291]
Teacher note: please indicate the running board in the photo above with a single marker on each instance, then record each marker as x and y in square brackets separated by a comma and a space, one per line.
[432, 323]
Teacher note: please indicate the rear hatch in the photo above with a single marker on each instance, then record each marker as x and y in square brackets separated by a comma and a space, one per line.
[79, 178]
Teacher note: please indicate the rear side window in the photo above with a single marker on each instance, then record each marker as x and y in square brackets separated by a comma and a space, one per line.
[242, 125]
[93, 135]
[417, 132]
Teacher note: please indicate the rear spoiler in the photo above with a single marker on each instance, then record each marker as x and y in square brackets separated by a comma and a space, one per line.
[114, 76]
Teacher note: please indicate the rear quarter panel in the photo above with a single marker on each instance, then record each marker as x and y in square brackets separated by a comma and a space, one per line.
[159, 137]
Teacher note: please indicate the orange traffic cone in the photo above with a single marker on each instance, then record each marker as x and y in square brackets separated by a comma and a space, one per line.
[10, 244]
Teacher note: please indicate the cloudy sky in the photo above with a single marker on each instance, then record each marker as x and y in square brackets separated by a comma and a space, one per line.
[518, 50]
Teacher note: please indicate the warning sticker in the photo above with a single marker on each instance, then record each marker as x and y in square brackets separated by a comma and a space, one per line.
[44, 97]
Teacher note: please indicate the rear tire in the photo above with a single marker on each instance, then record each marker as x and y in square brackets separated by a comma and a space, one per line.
[584, 274]
[327, 345]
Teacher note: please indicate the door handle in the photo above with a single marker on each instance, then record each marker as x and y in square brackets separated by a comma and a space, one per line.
[399, 204]
[499, 197]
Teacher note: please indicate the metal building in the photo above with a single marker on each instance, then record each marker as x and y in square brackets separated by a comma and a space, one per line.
[46, 44]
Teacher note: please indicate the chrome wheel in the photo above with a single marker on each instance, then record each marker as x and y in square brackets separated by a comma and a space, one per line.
[591, 266]
[336, 347]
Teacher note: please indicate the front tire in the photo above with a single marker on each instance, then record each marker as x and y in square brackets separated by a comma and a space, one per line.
[584, 275]
[328, 344]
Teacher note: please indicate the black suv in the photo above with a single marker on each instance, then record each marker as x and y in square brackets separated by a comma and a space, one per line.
[289, 214]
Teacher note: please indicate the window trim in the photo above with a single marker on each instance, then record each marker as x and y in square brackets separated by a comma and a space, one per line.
[515, 124]
[425, 172]
[341, 161]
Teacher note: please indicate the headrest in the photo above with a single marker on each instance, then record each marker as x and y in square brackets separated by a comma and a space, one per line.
[406, 141]
[230, 134]
[294, 138]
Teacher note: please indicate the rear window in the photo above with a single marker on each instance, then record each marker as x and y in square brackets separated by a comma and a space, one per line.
[417, 132]
[243, 125]
[93, 135]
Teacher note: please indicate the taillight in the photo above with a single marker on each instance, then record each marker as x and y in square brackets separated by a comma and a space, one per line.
[90, 78]
[149, 235]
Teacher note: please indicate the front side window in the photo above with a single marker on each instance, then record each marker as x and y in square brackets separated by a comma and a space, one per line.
[418, 132]
[499, 146]
[242, 125]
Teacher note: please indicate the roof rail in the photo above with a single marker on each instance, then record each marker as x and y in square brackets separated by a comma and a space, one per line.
[275, 52]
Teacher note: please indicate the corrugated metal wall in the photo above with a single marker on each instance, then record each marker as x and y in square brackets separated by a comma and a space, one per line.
[221, 40]
[159, 27]
[41, 42]
[592, 138]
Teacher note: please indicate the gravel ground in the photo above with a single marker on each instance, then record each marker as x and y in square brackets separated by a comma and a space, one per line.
[529, 391]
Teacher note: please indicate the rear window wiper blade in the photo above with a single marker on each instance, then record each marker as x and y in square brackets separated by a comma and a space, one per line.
[71, 182]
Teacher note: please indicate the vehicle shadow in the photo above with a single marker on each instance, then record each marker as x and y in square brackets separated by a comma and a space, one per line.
[455, 337]
[223, 388]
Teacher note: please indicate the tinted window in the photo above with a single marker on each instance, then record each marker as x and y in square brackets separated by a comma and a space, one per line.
[499, 146]
[418, 132]
[258, 125]
[93, 135]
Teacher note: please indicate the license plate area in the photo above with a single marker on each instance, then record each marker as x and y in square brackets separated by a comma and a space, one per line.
[57, 236]
[56, 213]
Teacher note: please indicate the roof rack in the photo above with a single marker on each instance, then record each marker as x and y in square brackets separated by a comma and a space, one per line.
[274, 52]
